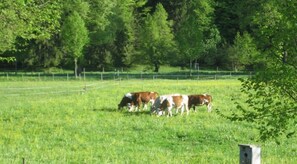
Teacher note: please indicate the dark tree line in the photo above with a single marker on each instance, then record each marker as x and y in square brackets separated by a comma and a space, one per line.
[113, 34]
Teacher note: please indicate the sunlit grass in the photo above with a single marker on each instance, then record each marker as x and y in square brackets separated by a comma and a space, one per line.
[78, 122]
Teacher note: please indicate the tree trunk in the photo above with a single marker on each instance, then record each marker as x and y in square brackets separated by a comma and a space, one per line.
[157, 66]
[190, 67]
[75, 67]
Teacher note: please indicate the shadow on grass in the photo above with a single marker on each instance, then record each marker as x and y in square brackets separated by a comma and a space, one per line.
[137, 113]
[106, 109]
[125, 112]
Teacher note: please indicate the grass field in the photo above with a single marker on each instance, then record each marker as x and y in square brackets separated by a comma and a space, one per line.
[78, 122]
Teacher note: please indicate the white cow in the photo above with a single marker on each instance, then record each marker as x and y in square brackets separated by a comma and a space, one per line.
[167, 102]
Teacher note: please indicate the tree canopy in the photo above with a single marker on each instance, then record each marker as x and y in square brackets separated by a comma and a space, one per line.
[157, 37]
[272, 93]
[74, 37]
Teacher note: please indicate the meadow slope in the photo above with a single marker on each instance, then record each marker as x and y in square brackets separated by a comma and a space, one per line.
[78, 122]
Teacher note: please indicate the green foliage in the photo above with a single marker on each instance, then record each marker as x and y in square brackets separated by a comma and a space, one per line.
[123, 28]
[157, 37]
[116, 30]
[195, 31]
[82, 7]
[277, 29]
[27, 23]
[244, 52]
[8, 59]
[271, 101]
[112, 33]
[10, 25]
[42, 19]
[226, 19]
[74, 36]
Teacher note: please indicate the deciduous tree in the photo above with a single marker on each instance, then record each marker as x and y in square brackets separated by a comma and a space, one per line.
[74, 37]
[272, 93]
[157, 38]
[244, 52]
[196, 33]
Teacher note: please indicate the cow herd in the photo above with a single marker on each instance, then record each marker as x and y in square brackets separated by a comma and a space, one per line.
[162, 104]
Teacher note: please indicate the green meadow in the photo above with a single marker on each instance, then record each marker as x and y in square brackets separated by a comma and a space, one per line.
[78, 122]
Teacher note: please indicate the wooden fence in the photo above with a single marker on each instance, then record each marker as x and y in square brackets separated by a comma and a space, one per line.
[40, 76]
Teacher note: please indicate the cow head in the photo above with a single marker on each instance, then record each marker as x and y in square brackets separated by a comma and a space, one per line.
[126, 101]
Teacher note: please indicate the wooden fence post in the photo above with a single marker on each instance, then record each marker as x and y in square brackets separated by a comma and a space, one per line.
[249, 154]
[84, 74]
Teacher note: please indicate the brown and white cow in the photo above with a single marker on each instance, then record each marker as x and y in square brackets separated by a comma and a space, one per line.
[135, 99]
[204, 99]
[167, 102]
[126, 101]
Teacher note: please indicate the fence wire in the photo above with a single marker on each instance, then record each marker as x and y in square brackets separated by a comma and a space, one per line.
[46, 90]
[122, 75]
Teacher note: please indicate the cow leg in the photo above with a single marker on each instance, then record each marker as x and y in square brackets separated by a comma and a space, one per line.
[209, 107]
[182, 110]
[169, 110]
[131, 108]
[152, 101]
[187, 109]
[145, 107]
[159, 113]
[153, 110]
[139, 105]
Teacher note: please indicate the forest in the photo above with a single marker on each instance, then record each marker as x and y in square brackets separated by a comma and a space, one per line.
[113, 34]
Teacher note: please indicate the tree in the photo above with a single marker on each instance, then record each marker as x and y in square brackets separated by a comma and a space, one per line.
[244, 52]
[272, 93]
[124, 28]
[157, 37]
[9, 24]
[40, 53]
[28, 20]
[227, 18]
[195, 32]
[100, 32]
[74, 37]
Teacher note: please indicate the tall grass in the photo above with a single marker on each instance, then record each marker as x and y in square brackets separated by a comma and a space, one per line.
[78, 122]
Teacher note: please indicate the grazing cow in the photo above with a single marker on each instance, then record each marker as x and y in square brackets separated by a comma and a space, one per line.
[155, 108]
[204, 99]
[135, 99]
[126, 101]
[167, 102]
